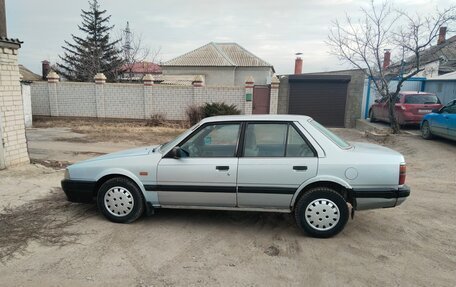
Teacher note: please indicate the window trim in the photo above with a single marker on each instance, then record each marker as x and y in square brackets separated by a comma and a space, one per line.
[241, 138]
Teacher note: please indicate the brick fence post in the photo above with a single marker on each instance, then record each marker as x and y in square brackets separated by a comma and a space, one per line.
[249, 82]
[53, 80]
[274, 99]
[148, 81]
[198, 96]
[100, 80]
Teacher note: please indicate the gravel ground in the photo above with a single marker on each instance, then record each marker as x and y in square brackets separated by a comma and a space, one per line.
[47, 241]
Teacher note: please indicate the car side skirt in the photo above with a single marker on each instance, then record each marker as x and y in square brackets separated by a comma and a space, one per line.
[279, 210]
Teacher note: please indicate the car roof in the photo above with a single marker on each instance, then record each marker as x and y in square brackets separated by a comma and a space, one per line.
[294, 118]
[414, 93]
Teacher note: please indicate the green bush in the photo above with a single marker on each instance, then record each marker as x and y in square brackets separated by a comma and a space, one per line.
[219, 109]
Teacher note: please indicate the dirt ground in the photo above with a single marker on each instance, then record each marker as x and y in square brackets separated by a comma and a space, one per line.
[46, 241]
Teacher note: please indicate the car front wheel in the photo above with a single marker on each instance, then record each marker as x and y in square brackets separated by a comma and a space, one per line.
[321, 212]
[120, 200]
[426, 131]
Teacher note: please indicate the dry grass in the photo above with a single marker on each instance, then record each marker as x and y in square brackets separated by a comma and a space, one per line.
[54, 164]
[43, 220]
[144, 132]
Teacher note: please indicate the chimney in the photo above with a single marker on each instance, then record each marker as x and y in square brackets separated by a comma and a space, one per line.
[386, 59]
[45, 69]
[298, 64]
[442, 34]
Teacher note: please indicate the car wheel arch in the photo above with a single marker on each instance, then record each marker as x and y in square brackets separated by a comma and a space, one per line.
[336, 184]
[102, 178]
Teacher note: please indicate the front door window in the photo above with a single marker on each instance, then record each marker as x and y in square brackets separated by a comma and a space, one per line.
[219, 140]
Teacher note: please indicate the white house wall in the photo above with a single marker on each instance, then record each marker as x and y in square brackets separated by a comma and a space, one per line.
[214, 76]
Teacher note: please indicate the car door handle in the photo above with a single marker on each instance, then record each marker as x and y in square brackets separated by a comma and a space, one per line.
[300, 167]
[222, 167]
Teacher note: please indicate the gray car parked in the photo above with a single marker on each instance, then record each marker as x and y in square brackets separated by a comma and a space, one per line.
[281, 163]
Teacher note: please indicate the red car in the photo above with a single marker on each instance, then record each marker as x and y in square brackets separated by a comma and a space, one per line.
[410, 107]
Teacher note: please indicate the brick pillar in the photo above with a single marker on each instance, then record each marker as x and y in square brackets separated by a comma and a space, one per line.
[13, 145]
[53, 81]
[148, 82]
[198, 82]
[198, 93]
[274, 98]
[249, 82]
[100, 80]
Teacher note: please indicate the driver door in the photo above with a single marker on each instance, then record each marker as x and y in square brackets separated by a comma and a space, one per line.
[205, 174]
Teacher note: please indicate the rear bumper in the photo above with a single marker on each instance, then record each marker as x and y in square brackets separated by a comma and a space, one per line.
[407, 118]
[380, 198]
[78, 190]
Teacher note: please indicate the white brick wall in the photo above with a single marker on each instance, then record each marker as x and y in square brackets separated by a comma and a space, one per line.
[124, 101]
[134, 101]
[14, 147]
[83, 94]
[40, 99]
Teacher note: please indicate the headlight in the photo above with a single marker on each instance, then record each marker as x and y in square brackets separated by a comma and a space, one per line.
[67, 174]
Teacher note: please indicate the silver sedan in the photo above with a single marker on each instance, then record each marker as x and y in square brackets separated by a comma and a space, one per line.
[281, 163]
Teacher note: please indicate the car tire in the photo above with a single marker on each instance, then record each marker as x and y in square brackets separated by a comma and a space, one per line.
[372, 119]
[120, 200]
[321, 212]
[426, 131]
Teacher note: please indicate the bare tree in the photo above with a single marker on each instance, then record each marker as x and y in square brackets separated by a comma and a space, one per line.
[133, 51]
[361, 43]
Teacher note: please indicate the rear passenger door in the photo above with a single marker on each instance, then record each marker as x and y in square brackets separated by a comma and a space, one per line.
[275, 160]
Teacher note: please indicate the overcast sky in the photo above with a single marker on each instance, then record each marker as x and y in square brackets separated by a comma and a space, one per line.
[273, 30]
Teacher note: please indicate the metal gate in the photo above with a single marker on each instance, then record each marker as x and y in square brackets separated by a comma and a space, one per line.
[261, 96]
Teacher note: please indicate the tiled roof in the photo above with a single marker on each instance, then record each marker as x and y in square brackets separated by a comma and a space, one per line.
[445, 53]
[142, 68]
[218, 54]
[27, 75]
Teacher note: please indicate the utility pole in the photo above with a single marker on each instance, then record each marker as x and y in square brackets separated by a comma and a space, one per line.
[3, 33]
[127, 47]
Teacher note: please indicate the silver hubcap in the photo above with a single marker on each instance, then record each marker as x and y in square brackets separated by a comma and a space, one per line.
[322, 214]
[119, 201]
[425, 129]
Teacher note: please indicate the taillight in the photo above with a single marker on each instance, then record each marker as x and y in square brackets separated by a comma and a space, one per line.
[402, 173]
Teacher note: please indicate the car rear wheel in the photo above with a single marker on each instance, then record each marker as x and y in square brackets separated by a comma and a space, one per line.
[426, 131]
[120, 200]
[321, 212]
[372, 119]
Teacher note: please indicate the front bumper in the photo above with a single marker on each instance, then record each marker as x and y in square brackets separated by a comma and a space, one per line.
[380, 198]
[79, 190]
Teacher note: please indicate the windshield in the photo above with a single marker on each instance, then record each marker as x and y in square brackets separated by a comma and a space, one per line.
[329, 134]
[421, 99]
[175, 141]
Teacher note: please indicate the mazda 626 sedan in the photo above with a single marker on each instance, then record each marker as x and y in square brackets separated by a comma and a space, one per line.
[281, 163]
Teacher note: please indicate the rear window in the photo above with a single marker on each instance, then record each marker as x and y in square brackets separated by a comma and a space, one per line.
[421, 99]
[337, 140]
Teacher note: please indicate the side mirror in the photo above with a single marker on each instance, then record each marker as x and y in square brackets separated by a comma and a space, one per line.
[377, 101]
[176, 152]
